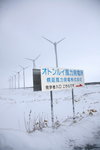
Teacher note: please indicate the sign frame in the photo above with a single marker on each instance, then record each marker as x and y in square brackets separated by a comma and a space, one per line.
[60, 79]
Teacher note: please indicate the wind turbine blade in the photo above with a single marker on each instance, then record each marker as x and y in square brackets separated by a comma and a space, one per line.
[18, 71]
[47, 40]
[26, 67]
[60, 40]
[29, 59]
[21, 66]
[37, 57]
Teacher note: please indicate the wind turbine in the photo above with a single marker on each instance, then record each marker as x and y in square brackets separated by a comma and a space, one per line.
[33, 61]
[24, 68]
[14, 79]
[11, 82]
[55, 47]
[18, 73]
[56, 57]
[34, 66]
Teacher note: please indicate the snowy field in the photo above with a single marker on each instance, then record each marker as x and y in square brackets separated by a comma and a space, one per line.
[21, 110]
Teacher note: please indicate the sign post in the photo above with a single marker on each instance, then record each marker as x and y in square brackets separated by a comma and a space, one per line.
[73, 104]
[50, 79]
[52, 112]
[59, 79]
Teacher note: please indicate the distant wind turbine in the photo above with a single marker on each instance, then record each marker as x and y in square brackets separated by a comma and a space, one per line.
[18, 73]
[24, 68]
[33, 60]
[14, 80]
[11, 82]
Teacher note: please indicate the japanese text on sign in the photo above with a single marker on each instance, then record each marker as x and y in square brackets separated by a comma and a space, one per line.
[57, 78]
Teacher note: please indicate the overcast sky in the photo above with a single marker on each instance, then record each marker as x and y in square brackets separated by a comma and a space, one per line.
[24, 22]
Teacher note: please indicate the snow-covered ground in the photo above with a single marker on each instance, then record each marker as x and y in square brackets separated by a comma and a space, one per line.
[19, 109]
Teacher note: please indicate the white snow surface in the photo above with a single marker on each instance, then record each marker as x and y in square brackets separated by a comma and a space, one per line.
[16, 104]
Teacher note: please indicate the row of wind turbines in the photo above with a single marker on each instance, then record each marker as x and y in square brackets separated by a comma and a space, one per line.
[15, 79]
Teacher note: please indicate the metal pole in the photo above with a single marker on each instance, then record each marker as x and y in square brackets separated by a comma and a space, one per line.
[55, 47]
[24, 78]
[73, 104]
[12, 82]
[33, 79]
[23, 68]
[15, 81]
[34, 64]
[52, 112]
[18, 80]
[32, 74]
[9, 83]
